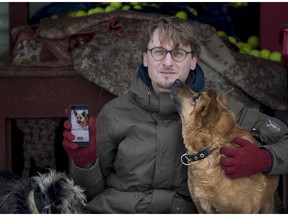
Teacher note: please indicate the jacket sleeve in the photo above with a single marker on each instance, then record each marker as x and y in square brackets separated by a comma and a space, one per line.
[272, 131]
[90, 179]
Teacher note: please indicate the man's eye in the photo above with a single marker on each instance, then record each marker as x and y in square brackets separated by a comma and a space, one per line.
[178, 53]
[195, 99]
[159, 52]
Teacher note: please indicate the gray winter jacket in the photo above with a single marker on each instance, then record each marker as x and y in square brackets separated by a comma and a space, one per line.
[138, 167]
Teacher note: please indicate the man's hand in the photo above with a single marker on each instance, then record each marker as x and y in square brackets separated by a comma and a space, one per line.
[244, 161]
[81, 156]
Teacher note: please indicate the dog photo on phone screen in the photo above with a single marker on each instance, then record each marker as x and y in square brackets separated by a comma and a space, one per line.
[82, 119]
[79, 117]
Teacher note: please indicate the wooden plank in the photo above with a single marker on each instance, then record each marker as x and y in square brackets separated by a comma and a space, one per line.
[18, 16]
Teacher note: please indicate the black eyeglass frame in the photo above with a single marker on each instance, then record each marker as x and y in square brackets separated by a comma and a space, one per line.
[169, 51]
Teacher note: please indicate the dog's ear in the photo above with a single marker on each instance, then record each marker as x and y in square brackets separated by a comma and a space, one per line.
[224, 98]
[83, 113]
[56, 188]
[75, 113]
[208, 101]
[212, 93]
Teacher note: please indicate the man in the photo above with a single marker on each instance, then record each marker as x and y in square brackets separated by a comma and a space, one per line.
[139, 141]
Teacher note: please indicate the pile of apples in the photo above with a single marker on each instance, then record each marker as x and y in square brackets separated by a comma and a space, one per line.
[251, 47]
[105, 7]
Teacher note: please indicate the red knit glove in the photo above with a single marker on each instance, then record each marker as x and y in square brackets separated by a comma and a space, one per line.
[82, 156]
[244, 161]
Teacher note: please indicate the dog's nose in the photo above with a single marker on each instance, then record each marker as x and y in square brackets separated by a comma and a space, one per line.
[177, 82]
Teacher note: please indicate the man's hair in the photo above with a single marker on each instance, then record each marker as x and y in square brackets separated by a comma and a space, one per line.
[171, 28]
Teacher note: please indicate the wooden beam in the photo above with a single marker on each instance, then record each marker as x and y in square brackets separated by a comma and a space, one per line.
[18, 16]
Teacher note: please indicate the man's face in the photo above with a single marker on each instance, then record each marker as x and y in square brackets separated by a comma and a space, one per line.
[163, 73]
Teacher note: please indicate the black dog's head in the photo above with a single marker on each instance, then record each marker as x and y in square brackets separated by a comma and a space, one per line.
[47, 193]
[55, 193]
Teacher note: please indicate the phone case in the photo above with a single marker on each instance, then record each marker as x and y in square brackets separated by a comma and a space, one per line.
[79, 118]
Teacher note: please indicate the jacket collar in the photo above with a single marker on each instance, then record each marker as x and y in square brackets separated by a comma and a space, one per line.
[162, 103]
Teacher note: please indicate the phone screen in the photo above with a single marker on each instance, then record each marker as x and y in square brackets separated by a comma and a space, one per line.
[79, 117]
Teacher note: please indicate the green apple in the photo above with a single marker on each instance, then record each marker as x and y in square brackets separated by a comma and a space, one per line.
[90, 11]
[246, 48]
[253, 41]
[221, 34]
[232, 40]
[265, 53]
[126, 7]
[116, 4]
[99, 10]
[110, 8]
[240, 44]
[276, 56]
[255, 52]
[182, 15]
[95, 10]
[137, 7]
[80, 13]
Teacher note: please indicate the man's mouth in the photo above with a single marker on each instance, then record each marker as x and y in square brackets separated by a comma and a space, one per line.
[167, 72]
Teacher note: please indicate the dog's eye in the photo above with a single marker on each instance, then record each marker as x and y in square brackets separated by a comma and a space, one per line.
[195, 99]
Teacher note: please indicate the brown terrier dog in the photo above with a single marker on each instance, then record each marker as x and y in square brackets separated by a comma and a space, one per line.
[208, 125]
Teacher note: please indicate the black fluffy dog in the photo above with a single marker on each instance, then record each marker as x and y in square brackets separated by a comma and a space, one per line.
[51, 193]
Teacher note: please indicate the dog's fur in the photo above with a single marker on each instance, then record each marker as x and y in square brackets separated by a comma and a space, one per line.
[52, 193]
[82, 119]
[208, 124]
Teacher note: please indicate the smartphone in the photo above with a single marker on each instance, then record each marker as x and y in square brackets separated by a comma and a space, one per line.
[79, 118]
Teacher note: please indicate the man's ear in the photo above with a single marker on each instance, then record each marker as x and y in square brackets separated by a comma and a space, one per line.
[145, 61]
[224, 97]
[193, 63]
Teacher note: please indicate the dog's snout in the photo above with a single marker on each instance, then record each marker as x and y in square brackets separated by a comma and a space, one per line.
[177, 82]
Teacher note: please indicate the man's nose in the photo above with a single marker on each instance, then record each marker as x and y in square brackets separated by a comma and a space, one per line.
[168, 59]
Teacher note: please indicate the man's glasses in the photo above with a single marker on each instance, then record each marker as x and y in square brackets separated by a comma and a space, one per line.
[159, 53]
